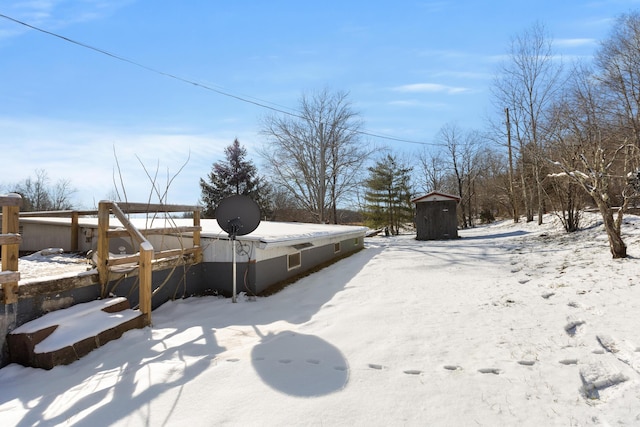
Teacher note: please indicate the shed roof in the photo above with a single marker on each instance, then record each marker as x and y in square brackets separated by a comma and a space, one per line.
[435, 196]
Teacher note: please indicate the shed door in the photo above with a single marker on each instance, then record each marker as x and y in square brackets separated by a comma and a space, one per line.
[442, 218]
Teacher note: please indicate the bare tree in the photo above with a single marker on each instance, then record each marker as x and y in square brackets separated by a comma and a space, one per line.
[317, 155]
[38, 195]
[594, 154]
[618, 64]
[491, 184]
[527, 84]
[433, 171]
[60, 195]
[600, 139]
[461, 147]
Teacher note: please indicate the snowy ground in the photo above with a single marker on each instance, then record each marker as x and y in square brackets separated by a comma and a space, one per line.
[513, 324]
[51, 263]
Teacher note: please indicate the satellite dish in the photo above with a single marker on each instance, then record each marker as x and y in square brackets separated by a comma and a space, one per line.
[238, 215]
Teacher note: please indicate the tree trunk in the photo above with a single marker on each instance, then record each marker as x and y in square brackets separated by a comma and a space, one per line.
[616, 244]
[539, 193]
[525, 199]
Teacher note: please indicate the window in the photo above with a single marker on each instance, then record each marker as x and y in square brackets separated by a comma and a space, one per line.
[294, 261]
[356, 241]
[336, 247]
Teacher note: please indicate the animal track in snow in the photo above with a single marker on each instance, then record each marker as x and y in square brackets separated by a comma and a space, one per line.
[412, 372]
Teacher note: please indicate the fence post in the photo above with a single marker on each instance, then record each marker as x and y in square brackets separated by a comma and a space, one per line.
[196, 237]
[74, 231]
[103, 245]
[145, 275]
[11, 253]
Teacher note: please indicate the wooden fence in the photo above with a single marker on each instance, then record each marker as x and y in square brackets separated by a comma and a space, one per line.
[10, 241]
[74, 215]
[144, 260]
[145, 257]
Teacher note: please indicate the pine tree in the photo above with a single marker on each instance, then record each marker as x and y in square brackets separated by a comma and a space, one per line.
[388, 197]
[235, 176]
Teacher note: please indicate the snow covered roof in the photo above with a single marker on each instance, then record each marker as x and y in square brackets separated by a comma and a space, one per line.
[267, 234]
[435, 196]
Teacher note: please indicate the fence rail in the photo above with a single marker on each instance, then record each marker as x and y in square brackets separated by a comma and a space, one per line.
[10, 242]
[146, 254]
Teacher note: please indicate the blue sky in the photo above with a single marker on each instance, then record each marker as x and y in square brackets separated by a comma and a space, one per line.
[410, 67]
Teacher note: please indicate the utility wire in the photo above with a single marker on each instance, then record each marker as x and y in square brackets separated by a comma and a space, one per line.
[257, 102]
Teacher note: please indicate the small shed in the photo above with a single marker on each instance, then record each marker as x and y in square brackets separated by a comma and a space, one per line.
[436, 216]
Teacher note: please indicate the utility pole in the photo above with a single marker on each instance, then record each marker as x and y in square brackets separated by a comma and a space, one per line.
[323, 169]
[514, 200]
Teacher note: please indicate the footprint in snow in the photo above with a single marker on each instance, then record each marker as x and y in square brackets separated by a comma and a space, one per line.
[494, 371]
[573, 325]
[452, 367]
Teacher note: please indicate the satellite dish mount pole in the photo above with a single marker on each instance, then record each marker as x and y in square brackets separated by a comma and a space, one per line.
[234, 226]
[228, 215]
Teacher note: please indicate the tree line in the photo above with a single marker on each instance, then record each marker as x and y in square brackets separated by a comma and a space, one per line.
[40, 194]
[562, 138]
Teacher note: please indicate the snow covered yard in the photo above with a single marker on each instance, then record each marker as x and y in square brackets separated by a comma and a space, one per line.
[513, 324]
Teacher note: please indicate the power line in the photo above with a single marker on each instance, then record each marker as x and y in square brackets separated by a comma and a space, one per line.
[255, 101]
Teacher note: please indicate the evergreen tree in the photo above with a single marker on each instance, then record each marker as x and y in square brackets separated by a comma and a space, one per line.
[235, 176]
[388, 197]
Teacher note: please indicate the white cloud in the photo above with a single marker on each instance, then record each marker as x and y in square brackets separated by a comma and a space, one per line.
[55, 14]
[430, 88]
[417, 103]
[88, 156]
[576, 42]
[475, 75]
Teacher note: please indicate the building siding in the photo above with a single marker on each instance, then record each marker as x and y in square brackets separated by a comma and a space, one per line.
[436, 220]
